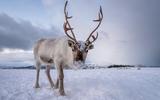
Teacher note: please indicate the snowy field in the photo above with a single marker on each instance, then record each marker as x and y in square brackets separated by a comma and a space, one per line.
[98, 84]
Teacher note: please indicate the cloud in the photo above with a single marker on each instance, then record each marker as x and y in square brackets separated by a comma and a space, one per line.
[21, 34]
[22, 58]
[129, 33]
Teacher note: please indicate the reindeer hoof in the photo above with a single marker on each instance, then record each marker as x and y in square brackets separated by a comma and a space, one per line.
[37, 86]
[56, 86]
[62, 93]
[52, 86]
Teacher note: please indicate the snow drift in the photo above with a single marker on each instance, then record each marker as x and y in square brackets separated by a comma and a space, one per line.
[97, 84]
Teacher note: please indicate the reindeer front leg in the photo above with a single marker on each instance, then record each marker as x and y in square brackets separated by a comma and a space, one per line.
[60, 79]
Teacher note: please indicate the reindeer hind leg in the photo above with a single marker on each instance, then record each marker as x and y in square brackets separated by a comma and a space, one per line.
[48, 67]
[38, 65]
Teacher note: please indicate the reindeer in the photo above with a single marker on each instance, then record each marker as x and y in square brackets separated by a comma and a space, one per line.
[63, 51]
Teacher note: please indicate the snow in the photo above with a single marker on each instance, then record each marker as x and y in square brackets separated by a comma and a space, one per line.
[97, 84]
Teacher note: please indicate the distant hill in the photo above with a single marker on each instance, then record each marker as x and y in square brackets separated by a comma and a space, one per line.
[118, 66]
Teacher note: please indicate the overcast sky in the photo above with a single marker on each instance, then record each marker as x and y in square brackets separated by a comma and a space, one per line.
[129, 34]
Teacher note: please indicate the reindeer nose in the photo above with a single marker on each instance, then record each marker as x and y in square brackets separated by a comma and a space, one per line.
[79, 56]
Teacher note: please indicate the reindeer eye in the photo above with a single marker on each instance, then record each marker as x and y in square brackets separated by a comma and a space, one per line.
[86, 50]
[74, 48]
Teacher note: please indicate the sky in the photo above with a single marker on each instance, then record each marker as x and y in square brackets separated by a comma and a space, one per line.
[129, 33]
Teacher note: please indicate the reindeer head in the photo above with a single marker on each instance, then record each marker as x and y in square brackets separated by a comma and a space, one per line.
[80, 48]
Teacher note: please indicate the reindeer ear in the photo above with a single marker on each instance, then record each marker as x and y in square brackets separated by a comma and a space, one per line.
[91, 46]
[70, 43]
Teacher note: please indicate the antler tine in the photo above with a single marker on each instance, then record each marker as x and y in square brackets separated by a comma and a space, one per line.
[94, 38]
[101, 12]
[100, 17]
[66, 29]
[66, 25]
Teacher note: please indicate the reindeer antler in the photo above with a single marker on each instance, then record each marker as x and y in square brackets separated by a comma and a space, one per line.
[100, 17]
[66, 25]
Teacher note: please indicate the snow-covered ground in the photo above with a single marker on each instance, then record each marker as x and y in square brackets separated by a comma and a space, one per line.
[97, 84]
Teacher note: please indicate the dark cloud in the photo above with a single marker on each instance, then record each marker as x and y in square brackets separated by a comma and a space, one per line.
[21, 34]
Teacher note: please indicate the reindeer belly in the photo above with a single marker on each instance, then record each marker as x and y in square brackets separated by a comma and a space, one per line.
[46, 59]
[45, 56]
